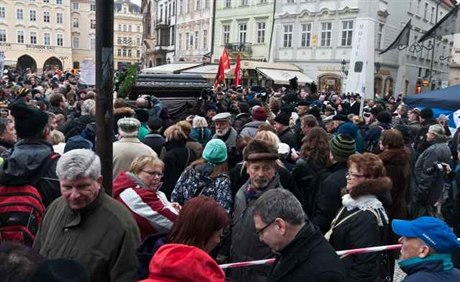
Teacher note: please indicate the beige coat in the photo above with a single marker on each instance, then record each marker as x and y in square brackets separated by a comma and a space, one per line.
[126, 150]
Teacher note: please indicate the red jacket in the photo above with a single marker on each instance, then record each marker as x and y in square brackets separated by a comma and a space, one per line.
[177, 262]
[151, 210]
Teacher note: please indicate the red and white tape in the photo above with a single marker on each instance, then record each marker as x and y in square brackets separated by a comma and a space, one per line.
[339, 253]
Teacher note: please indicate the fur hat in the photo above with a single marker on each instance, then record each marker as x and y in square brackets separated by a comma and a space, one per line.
[29, 121]
[258, 150]
[215, 151]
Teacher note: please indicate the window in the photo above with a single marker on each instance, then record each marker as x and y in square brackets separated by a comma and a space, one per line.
[181, 7]
[2, 35]
[417, 11]
[347, 33]
[2, 12]
[326, 33]
[33, 15]
[75, 5]
[138, 41]
[228, 3]
[260, 32]
[129, 53]
[76, 42]
[59, 40]
[415, 40]
[92, 7]
[20, 14]
[306, 35]
[46, 39]
[244, 2]
[46, 17]
[59, 18]
[59, 2]
[129, 28]
[242, 36]
[226, 33]
[290, 1]
[33, 37]
[205, 39]
[75, 22]
[379, 36]
[138, 53]
[119, 52]
[119, 27]
[92, 44]
[425, 12]
[93, 24]
[262, 1]
[432, 15]
[46, 1]
[138, 28]
[125, 28]
[287, 36]
[206, 4]
[123, 52]
[196, 40]
[198, 5]
[191, 41]
[187, 38]
[179, 41]
[20, 35]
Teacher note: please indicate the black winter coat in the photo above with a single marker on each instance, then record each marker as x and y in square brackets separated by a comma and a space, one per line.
[288, 136]
[328, 200]
[309, 257]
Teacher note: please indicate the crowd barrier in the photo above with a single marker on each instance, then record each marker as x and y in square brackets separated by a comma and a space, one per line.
[341, 254]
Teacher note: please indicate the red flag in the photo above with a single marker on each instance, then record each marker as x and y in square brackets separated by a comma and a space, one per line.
[238, 73]
[224, 63]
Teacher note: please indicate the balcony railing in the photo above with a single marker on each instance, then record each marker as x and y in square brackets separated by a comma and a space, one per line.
[239, 47]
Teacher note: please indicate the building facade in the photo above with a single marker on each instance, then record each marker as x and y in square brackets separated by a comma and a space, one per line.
[194, 30]
[83, 32]
[245, 27]
[338, 43]
[34, 34]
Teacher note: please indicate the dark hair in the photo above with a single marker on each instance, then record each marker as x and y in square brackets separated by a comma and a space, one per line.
[18, 262]
[198, 220]
[55, 99]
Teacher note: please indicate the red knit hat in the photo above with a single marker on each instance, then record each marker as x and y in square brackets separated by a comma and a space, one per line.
[177, 262]
[259, 114]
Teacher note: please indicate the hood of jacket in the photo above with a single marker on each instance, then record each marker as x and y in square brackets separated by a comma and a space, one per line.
[374, 186]
[124, 181]
[177, 262]
[25, 161]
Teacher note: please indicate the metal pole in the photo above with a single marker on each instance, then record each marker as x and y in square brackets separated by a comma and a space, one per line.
[104, 84]
[434, 45]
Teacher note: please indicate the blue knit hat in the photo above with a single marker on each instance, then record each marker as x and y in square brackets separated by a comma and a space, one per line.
[215, 151]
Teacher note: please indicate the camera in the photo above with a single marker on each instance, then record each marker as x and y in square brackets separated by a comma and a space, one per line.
[437, 166]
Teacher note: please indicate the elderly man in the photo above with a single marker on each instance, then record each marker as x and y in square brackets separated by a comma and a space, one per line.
[430, 170]
[427, 243]
[128, 147]
[260, 162]
[87, 225]
[304, 254]
[226, 133]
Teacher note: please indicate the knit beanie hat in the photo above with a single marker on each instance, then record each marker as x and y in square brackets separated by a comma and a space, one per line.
[77, 142]
[348, 128]
[215, 151]
[437, 130]
[29, 121]
[426, 113]
[259, 114]
[342, 145]
[283, 118]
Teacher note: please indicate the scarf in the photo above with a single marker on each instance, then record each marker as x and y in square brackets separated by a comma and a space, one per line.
[366, 202]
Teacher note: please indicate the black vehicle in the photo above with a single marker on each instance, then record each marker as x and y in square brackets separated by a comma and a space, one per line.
[179, 93]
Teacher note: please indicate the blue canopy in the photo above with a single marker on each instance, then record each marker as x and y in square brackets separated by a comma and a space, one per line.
[447, 99]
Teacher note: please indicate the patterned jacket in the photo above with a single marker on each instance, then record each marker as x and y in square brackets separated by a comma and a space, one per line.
[194, 179]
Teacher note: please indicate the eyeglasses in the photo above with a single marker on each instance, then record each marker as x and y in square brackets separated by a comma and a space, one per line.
[260, 231]
[354, 175]
[153, 173]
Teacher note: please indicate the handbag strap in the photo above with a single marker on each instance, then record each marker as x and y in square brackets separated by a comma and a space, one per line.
[188, 156]
[334, 223]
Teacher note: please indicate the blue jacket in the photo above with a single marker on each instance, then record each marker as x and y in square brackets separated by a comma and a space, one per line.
[436, 267]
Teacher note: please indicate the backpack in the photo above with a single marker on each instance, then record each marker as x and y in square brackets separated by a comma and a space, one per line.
[22, 208]
[21, 212]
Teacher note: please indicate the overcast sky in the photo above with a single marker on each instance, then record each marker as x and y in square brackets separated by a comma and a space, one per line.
[138, 2]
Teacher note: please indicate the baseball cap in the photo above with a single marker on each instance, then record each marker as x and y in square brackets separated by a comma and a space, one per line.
[434, 232]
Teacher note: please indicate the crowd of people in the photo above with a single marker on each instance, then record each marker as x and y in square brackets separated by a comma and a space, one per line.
[294, 174]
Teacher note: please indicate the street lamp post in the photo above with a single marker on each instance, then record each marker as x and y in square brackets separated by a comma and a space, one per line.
[344, 74]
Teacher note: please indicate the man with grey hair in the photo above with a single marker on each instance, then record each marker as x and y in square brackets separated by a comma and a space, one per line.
[304, 254]
[128, 147]
[87, 225]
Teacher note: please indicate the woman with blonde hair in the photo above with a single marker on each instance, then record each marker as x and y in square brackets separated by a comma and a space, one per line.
[176, 157]
[139, 190]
